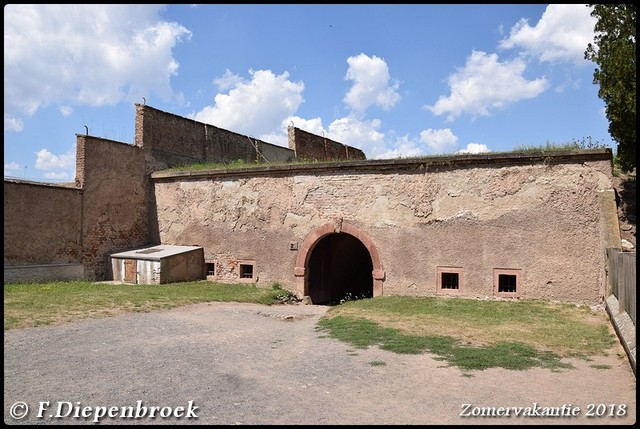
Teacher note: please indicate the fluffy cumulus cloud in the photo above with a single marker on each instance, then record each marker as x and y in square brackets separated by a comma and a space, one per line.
[281, 138]
[474, 148]
[363, 134]
[86, 54]
[310, 125]
[561, 35]
[403, 147]
[485, 84]
[439, 141]
[371, 84]
[265, 104]
[257, 106]
[56, 166]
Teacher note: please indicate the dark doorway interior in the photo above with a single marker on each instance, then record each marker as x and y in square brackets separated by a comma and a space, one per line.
[340, 267]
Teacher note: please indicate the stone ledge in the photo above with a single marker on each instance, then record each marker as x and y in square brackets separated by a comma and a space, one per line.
[420, 164]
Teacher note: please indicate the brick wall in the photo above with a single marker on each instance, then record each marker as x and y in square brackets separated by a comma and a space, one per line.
[312, 147]
[174, 140]
[117, 198]
[42, 223]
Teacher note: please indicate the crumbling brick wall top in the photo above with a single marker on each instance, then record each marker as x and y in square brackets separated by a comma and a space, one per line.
[311, 147]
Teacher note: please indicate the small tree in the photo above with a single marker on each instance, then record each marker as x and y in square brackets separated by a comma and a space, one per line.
[614, 51]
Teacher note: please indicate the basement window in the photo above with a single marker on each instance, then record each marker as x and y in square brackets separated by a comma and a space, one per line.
[449, 279]
[211, 269]
[247, 270]
[507, 282]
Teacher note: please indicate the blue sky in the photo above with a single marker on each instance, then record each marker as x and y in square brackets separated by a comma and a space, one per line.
[392, 80]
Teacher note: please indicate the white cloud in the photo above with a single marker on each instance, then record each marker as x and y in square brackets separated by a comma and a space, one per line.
[313, 126]
[439, 141]
[86, 54]
[484, 84]
[265, 105]
[370, 76]
[562, 34]
[47, 161]
[403, 147]
[227, 81]
[361, 134]
[281, 137]
[255, 107]
[474, 148]
[12, 123]
[11, 168]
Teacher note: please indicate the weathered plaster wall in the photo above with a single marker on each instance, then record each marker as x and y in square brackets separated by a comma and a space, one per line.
[42, 223]
[308, 146]
[116, 201]
[542, 218]
[175, 140]
[183, 267]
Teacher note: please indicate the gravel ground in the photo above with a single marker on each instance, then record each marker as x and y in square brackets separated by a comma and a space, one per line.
[254, 364]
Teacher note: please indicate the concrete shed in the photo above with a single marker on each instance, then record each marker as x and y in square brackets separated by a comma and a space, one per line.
[159, 264]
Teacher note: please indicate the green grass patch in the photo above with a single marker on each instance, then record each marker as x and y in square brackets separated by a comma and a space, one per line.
[35, 304]
[598, 366]
[472, 334]
[467, 333]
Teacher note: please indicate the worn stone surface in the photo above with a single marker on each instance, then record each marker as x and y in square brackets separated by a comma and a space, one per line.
[541, 219]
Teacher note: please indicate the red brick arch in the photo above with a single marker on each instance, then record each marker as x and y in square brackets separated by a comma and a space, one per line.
[304, 254]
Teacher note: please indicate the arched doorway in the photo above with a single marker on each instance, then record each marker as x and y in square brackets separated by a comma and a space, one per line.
[337, 260]
[339, 268]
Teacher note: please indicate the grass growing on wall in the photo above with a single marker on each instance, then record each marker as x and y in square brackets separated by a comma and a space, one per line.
[239, 164]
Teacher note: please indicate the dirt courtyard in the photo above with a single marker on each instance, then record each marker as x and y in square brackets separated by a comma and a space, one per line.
[231, 363]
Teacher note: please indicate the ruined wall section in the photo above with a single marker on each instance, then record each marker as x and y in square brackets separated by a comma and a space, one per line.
[42, 223]
[116, 201]
[540, 218]
[173, 140]
[311, 147]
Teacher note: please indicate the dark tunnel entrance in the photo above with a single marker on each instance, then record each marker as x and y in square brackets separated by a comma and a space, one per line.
[340, 267]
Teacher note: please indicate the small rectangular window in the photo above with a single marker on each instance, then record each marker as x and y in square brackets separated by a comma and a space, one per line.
[507, 282]
[211, 269]
[449, 279]
[247, 270]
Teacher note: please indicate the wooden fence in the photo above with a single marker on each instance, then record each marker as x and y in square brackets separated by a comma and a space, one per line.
[622, 279]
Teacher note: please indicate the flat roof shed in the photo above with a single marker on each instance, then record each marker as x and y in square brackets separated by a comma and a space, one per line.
[159, 264]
